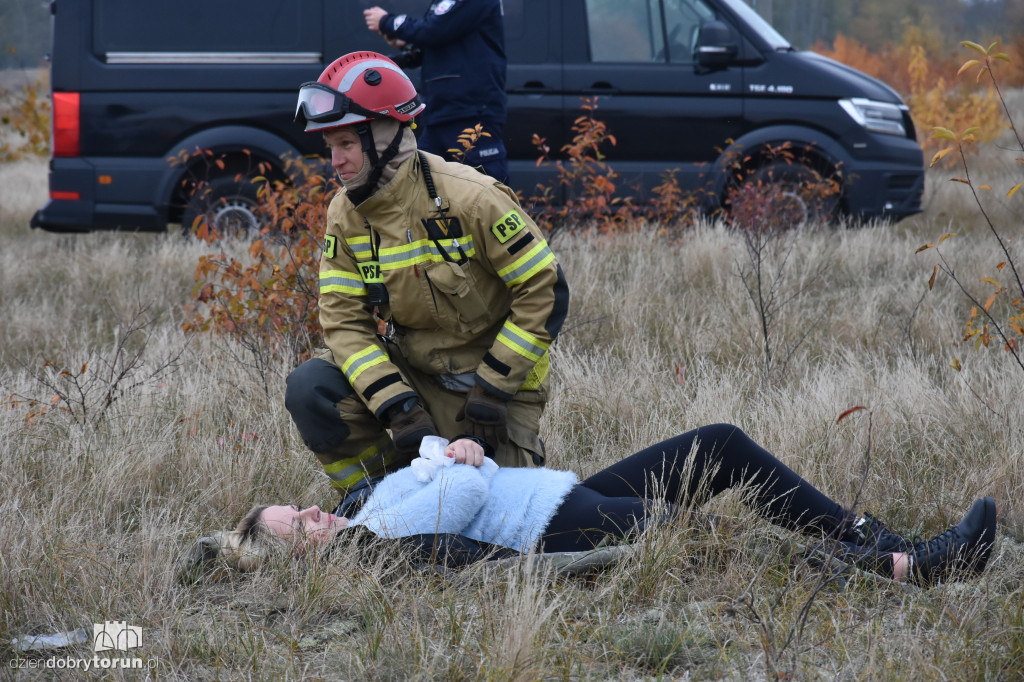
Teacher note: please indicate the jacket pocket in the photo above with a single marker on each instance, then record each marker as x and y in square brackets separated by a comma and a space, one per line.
[456, 296]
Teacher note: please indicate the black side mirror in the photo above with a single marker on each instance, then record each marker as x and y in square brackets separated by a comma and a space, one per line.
[715, 44]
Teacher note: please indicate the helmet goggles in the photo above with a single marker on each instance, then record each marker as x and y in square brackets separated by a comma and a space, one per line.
[321, 103]
[321, 106]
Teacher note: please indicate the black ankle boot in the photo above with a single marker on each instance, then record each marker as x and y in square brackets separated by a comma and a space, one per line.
[960, 552]
[963, 549]
[869, 532]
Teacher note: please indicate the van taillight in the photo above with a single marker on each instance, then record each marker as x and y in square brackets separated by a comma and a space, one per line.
[65, 124]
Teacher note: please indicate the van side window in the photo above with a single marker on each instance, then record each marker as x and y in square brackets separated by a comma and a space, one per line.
[625, 31]
[645, 30]
[683, 19]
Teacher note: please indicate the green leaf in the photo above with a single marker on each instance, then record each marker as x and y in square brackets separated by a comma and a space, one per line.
[943, 133]
[974, 46]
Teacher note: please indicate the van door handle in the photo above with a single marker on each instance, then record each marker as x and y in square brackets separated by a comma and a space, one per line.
[601, 87]
[531, 88]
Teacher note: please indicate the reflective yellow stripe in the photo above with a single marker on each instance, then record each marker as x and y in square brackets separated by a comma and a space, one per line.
[527, 266]
[358, 363]
[345, 473]
[413, 253]
[360, 246]
[342, 282]
[424, 251]
[522, 342]
[537, 374]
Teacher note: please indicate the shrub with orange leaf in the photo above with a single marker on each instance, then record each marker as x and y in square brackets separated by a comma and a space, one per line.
[852, 53]
[268, 304]
[923, 75]
[933, 101]
[586, 179]
[997, 310]
[27, 113]
[589, 187]
[466, 141]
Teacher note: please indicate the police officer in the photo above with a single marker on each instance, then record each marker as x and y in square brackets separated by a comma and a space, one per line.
[460, 45]
[439, 296]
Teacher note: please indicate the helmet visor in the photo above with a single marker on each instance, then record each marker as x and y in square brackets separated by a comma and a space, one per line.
[321, 103]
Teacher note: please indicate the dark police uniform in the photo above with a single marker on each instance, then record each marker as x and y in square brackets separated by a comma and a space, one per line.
[461, 46]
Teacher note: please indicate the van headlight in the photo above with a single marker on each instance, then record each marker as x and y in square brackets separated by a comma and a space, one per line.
[880, 117]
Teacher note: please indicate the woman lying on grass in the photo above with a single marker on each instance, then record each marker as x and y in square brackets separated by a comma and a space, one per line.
[551, 511]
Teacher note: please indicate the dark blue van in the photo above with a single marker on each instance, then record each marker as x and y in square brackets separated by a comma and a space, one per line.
[683, 84]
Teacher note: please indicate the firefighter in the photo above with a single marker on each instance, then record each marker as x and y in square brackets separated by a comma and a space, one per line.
[460, 47]
[439, 296]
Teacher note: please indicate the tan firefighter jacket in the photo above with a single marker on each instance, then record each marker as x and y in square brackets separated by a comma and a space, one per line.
[474, 290]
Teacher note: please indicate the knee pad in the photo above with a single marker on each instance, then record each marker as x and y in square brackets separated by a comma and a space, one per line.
[312, 392]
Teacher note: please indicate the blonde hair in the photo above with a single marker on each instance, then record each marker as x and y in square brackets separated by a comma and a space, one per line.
[251, 543]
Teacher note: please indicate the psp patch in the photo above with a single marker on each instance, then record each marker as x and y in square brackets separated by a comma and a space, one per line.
[370, 270]
[443, 7]
[508, 226]
[330, 246]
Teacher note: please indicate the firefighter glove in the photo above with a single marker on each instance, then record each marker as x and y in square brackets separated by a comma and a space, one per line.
[486, 416]
[409, 423]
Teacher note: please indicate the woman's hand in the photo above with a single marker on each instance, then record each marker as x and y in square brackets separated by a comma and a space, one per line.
[465, 451]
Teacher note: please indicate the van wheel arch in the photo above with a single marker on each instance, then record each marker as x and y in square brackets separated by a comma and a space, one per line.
[222, 185]
[789, 163]
[222, 152]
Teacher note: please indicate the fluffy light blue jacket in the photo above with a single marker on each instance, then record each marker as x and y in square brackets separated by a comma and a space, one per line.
[507, 507]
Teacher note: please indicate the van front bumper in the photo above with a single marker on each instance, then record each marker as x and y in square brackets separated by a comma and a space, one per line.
[891, 193]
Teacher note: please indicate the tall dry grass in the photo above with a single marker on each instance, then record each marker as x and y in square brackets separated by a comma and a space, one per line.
[661, 338]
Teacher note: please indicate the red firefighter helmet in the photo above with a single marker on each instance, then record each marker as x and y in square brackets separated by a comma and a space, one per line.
[361, 86]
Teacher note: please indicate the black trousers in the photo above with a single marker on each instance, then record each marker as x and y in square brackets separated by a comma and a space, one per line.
[688, 470]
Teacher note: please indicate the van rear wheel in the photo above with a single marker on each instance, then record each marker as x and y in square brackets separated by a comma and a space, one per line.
[225, 204]
[781, 196]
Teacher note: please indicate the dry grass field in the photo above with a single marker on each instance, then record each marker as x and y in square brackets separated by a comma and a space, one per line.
[169, 437]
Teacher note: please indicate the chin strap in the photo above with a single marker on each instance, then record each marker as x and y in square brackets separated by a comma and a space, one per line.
[377, 163]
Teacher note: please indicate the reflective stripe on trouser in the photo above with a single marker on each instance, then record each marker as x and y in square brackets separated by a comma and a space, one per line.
[345, 469]
[336, 426]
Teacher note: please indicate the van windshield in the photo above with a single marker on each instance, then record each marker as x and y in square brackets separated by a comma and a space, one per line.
[763, 28]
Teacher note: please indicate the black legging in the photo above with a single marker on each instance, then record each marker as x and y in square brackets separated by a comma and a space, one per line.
[614, 500]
